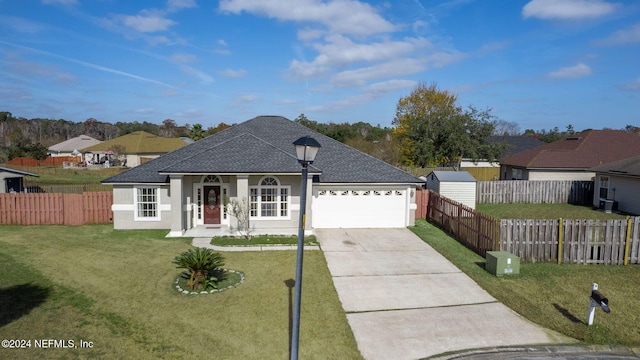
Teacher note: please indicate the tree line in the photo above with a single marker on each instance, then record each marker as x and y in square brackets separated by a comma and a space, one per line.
[430, 128]
[20, 136]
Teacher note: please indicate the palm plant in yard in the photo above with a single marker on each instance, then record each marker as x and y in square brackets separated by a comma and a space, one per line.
[203, 265]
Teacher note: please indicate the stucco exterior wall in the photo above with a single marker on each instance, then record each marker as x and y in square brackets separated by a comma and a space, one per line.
[124, 209]
[124, 203]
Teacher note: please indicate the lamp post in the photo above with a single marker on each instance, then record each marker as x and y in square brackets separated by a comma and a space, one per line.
[306, 151]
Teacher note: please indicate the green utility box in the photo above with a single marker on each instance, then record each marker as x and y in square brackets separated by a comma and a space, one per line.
[502, 263]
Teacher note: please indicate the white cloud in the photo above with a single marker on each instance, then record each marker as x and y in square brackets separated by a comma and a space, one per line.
[230, 73]
[35, 71]
[191, 113]
[631, 86]
[571, 72]
[145, 111]
[368, 94]
[156, 40]
[338, 16]
[308, 34]
[396, 67]
[247, 98]
[198, 74]
[182, 58]
[146, 23]
[624, 36]
[175, 5]
[21, 24]
[359, 77]
[567, 9]
[340, 52]
[287, 102]
[222, 50]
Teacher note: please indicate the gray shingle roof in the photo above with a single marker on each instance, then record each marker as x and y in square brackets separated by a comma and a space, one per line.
[515, 144]
[265, 145]
[18, 172]
[76, 143]
[625, 167]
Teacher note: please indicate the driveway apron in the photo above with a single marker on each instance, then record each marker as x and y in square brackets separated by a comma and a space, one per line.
[406, 301]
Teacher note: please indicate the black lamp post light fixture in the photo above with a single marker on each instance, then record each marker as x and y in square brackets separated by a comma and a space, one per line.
[306, 151]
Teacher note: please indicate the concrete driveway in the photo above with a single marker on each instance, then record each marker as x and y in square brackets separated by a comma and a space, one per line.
[406, 301]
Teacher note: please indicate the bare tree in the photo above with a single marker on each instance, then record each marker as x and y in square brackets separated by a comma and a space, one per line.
[506, 128]
[240, 210]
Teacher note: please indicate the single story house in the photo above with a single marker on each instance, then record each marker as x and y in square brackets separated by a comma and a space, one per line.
[12, 180]
[136, 148]
[73, 146]
[254, 164]
[485, 170]
[571, 158]
[617, 185]
[458, 186]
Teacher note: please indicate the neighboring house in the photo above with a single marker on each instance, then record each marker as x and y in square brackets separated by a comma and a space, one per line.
[73, 146]
[617, 185]
[254, 163]
[491, 169]
[11, 180]
[458, 186]
[571, 158]
[139, 147]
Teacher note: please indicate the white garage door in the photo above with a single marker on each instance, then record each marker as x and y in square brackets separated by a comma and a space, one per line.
[339, 208]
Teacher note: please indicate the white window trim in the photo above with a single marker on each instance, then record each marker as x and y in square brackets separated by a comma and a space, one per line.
[604, 179]
[279, 201]
[136, 215]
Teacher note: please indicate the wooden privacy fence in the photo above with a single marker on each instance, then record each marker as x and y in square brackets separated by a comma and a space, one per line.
[610, 242]
[472, 228]
[535, 192]
[56, 208]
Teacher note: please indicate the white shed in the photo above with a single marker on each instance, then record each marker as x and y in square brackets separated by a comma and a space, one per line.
[458, 186]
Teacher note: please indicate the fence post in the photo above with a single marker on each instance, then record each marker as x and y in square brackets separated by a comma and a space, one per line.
[496, 230]
[627, 242]
[560, 229]
[459, 218]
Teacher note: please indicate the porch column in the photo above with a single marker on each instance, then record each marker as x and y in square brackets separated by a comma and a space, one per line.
[242, 187]
[177, 217]
[242, 193]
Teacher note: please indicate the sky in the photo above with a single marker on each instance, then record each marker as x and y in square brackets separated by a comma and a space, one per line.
[540, 63]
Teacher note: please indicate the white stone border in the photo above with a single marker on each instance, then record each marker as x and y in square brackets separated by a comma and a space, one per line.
[204, 292]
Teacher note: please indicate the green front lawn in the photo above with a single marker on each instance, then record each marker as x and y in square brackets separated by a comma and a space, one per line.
[555, 296]
[116, 289]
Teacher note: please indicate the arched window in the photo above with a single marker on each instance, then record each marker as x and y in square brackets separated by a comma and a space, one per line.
[211, 179]
[269, 199]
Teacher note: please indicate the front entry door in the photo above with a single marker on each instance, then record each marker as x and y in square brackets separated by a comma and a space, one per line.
[212, 205]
